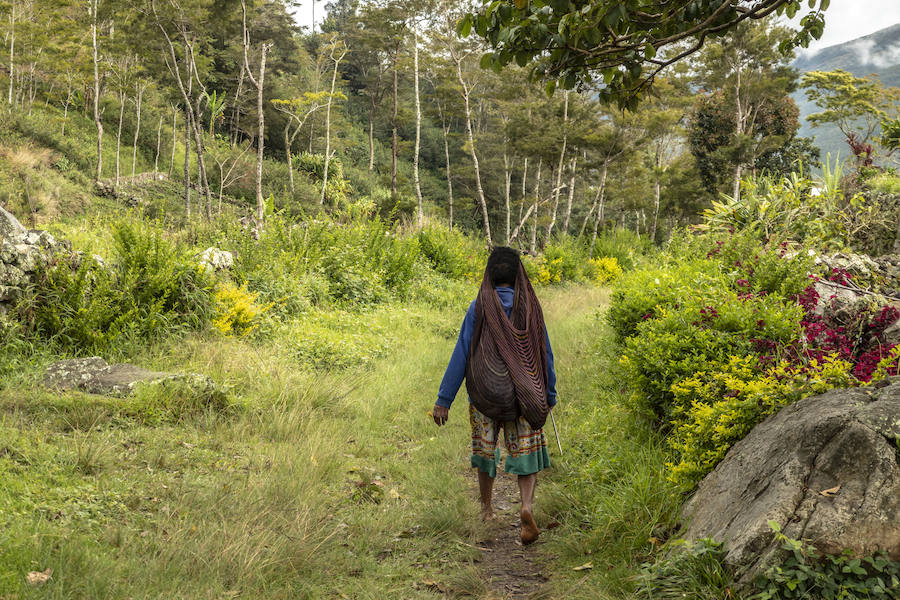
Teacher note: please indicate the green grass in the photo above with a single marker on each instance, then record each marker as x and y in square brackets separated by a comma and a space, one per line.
[320, 484]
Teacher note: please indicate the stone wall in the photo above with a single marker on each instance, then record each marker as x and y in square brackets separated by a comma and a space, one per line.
[21, 253]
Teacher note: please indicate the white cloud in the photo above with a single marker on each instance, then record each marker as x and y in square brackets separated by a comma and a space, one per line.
[847, 20]
[878, 57]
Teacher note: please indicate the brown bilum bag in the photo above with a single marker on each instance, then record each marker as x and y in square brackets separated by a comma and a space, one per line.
[506, 374]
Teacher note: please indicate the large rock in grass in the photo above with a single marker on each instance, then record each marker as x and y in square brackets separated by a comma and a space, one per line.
[10, 228]
[95, 376]
[825, 469]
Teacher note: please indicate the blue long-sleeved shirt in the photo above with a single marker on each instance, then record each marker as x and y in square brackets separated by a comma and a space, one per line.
[456, 370]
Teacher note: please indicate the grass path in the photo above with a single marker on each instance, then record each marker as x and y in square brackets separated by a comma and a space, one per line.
[328, 485]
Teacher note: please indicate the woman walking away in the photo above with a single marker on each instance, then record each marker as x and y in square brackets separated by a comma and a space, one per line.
[504, 354]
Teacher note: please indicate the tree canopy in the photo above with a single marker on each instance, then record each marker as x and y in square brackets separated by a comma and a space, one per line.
[618, 46]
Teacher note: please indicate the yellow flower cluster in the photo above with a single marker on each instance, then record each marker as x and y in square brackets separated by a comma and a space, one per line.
[605, 269]
[717, 407]
[237, 312]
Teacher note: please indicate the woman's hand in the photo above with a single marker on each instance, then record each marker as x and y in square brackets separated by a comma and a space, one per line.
[440, 414]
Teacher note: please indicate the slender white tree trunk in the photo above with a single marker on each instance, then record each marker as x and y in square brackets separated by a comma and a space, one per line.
[372, 134]
[122, 99]
[96, 56]
[537, 194]
[559, 167]
[572, 165]
[507, 179]
[174, 140]
[600, 196]
[261, 117]
[394, 135]
[337, 60]
[12, 50]
[421, 215]
[481, 199]
[137, 129]
[446, 130]
[158, 145]
[656, 193]
[187, 161]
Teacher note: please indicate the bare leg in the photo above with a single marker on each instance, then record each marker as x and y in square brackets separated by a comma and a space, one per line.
[486, 487]
[530, 531]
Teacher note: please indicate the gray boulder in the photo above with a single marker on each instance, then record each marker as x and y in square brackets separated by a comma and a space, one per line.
[10, 228]
[94, 376]
[825, 469]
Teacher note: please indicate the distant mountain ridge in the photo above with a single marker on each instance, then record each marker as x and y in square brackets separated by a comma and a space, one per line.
[877, 53]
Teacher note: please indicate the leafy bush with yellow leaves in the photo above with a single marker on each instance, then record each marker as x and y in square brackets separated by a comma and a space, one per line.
[717, 407]
[237, 310]
[603, 269]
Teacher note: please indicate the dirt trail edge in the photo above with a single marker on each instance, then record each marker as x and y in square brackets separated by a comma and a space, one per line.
[510, 569]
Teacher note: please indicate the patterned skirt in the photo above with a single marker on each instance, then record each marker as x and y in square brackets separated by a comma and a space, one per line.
[526, 447]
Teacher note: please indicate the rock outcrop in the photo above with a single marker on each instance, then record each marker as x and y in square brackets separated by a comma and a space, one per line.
[21, 253]
[825, 469]
[95, 376]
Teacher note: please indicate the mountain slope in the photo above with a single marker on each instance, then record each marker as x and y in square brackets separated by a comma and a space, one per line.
[875, 54]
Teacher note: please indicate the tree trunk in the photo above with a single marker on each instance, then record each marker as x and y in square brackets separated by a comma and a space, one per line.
[372, 135]
[394, 136]
[418, 127]
[97, 120]
[572, 166]
[481, 199]
[507, 179]
[187, 161]
[122, 99]
[738, 131]
[158, 145]
[287, 153]
[137, 128]
[12, 50]
[524, 180]
[559, 167]
[261, 135]
[446, 130]
[260, 86]
[656, 194]
[174, 140]
[537, 194]
[337, 61]
[600, 197]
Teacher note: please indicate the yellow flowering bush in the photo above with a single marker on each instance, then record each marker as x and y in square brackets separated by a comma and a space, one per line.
[716, 408]
[237, 310]
[604, 269]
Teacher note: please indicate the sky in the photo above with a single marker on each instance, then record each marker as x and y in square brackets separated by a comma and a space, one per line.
[845, 19]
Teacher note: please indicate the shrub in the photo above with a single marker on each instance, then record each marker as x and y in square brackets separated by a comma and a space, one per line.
[152, 289]
[806, 573]
[452, 253]
[688, 570]
[697, 332]
[640, 295]
[237, 312]
[603, 270]
[625, 246]
[719, 405]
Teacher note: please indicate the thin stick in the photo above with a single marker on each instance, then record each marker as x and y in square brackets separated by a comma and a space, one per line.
[553, 420]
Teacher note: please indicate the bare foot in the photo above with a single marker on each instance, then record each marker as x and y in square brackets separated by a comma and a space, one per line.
[530, 531]
[487, 513]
